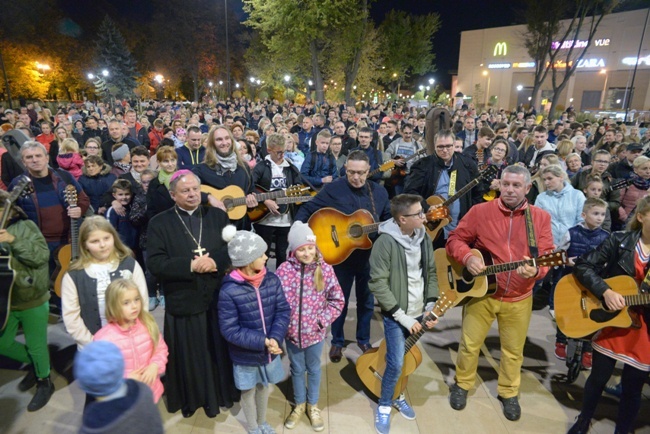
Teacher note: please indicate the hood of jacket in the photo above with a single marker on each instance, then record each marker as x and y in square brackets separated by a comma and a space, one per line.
[391, 228]
[106, 169]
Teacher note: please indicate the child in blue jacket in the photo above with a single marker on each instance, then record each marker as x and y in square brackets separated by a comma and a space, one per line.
[253, 318]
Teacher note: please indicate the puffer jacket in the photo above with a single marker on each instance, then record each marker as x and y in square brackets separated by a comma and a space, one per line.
[137, 348]
[629, 197]
[29, 260]
[243, 313]
[312, 311]
[97, 186]
[565, 208]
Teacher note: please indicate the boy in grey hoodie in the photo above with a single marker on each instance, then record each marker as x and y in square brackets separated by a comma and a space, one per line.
[403, 279]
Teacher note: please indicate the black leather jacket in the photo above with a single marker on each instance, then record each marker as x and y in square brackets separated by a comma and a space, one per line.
[614, 257]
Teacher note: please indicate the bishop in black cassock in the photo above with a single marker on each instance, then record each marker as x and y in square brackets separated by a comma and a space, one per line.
[188, 256]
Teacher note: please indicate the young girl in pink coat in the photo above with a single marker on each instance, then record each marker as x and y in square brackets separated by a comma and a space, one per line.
[316, 299]
[136, 334]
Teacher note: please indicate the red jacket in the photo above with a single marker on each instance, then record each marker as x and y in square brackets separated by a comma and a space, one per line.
[494, 227]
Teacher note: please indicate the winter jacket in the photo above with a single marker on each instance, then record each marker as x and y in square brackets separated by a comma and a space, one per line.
[317, 166]
[312, 311]
[565, 208]
[71, 163]
[242, 320]
[494, 227]
[582, 240]
[188, 158]
[97, 186]
[389, 280]
[614, 257]
[138, 351]
[629, 197]
[29, 260]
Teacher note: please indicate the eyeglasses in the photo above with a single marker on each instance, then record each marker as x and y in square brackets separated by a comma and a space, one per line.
[417, 214]
[601, 161]
[498, 149]
[444, 148]
[356, 172]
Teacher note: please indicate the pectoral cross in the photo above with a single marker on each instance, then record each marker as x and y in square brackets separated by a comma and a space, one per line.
[199, 250]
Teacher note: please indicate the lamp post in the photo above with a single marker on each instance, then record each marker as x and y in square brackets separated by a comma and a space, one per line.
[602, 96]
[287, 80]
[487, 91]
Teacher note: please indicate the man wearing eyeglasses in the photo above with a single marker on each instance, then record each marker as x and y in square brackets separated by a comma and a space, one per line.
[347, 195]
[444, 173]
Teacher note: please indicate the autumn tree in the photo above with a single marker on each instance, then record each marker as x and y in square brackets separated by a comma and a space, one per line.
[550, 40]
[113, 55]
[407, 46]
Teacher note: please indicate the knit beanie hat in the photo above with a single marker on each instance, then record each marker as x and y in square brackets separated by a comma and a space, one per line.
[300, 235]
[99, 368]
[244, 247]
[120, 152]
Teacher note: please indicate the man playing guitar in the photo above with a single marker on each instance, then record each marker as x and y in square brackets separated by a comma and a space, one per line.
[349, 194]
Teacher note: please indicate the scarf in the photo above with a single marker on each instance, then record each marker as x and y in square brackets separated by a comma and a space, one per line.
[255, 280]
[165, 178]
[228, 163]
[640, 183]
[136, 176]
[126, 167]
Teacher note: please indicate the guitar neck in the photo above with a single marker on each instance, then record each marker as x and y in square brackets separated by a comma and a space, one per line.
[438, 310]
[293, 199]
[74, 238]
[261, 197]
[637, 300]
[508, 266]
[462, 191]
[368, 229]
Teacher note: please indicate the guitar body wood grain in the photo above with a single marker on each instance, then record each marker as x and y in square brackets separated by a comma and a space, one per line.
[63, 259]
[338, 234]
[433, 228]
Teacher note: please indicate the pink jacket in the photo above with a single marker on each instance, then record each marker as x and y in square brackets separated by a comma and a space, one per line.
[311, 311]
[629, 197]
[137, 349]
[72, 163]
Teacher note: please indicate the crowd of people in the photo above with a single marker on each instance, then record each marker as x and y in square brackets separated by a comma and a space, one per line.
[128, 182]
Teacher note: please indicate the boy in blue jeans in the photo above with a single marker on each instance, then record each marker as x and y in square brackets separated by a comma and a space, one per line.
[579, 240]
[403, 279]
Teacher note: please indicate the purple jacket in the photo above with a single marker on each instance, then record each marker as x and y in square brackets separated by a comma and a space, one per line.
[311, 311]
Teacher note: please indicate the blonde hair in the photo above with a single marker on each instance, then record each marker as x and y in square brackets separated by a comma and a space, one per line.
[210, 158]
[642, 207]
[114, 296]
[98, 223]
[68, 145]
[640, 161]
[564, 148]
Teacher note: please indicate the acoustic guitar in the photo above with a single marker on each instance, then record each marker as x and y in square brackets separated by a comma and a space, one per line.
[7, 275]
[67, 253]
[455, 277]
[399, 173]
[234, 198]
[390, 164]
[438, 215]
[580, 313]
[261, 210]
[339, 234]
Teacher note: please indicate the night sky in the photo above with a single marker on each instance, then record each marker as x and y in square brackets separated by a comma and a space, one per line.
[456, 16]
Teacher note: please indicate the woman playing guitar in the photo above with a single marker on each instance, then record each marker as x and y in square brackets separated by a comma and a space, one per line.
[623, 253]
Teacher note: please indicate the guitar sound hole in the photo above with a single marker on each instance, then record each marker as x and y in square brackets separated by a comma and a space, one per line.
[227, 202]
[467, 276]
[355, 231]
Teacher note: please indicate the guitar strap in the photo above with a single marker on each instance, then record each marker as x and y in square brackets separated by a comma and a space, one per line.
[452, 183]
[530, 233]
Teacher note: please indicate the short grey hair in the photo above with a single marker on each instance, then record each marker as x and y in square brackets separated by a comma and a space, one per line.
[32, 144]
[517, 170]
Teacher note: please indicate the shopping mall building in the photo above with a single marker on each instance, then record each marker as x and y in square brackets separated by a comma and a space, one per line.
[495, 68]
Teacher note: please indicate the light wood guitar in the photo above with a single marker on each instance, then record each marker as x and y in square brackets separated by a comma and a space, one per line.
[67, 253]
[234, 198]
[372, 364]
[261, 210]
[7, 275]
[339, 234]
[438, 214]
[579, 313]
[455, 277]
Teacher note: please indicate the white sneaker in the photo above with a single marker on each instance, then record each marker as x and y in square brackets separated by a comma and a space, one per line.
[552, 313]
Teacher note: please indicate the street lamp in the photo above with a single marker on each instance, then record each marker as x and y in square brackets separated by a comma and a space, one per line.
[519, 88]
[287, 78]
[42, 67]
[431, 81]
[100, 84]
[159, 78]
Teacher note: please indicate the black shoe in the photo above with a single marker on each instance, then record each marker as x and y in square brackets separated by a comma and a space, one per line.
[336, 353]
[44, 391]
[188, 413]
[365, 347]
[28, 381]
[581, 426]
[511, 408]
[457, 397]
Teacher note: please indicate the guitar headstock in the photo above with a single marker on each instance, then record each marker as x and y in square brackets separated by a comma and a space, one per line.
[437, 213]
[389, 165]
[488, 173]
[296, 190]
[444, 303]
[22, 188]
[552, 259]
[70, 194]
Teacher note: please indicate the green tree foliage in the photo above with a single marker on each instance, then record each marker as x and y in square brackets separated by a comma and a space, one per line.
[113, 55]
[407, 45]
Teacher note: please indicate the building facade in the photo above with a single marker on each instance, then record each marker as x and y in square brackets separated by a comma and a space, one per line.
[495, 69]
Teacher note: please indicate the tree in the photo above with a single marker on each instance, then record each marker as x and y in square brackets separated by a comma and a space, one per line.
[299, 33]
[407, 42]
[113, 55]
[550, 42]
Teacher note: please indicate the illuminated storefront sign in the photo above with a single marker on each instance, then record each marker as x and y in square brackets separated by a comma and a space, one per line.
[500, 49]
[523, 65]
[583, 63]
[631, 61]
[565, 45]
[499, 66]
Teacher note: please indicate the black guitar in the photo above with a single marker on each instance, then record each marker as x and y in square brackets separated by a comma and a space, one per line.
[6, 272]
